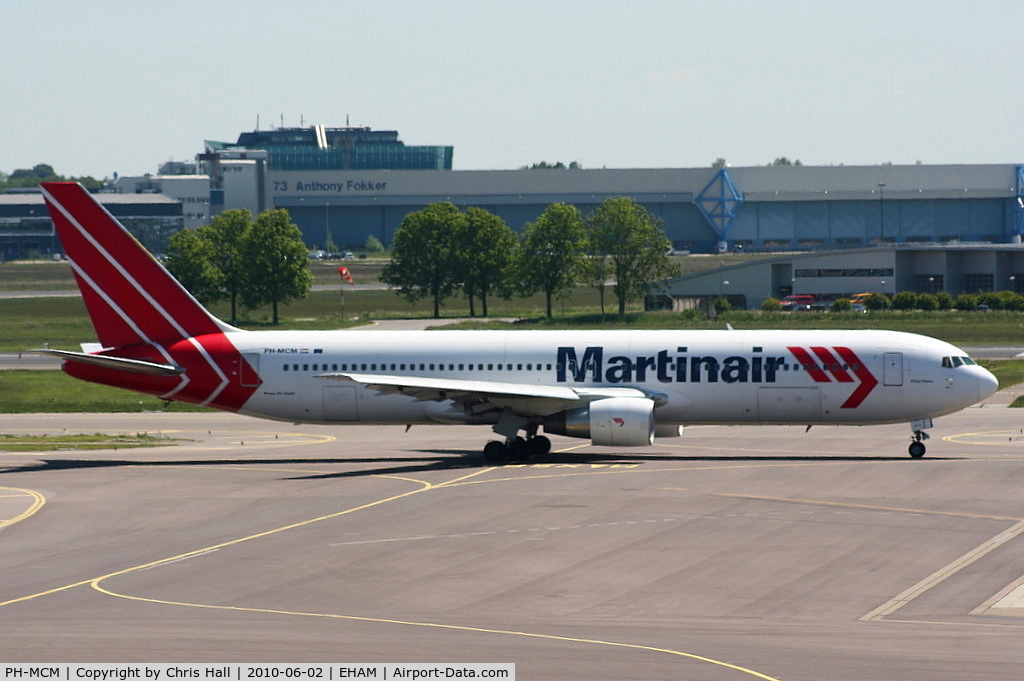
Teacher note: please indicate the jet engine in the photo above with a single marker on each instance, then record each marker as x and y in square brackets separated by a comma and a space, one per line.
[614, 421]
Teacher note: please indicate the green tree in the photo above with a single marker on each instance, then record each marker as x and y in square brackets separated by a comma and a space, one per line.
[190, 258]
[209, 260]
[552, 253]
[966, 301]
[42, 172]
[373, 245]
[771, 305]
[990, 299]
[277, 261]
[905, 300]
[927, 302]
[227, 233]
[598, 270]
[1011, 300]
[877, 301]
[840, 305]
[486, 249]
[635, 244]
[423, 254]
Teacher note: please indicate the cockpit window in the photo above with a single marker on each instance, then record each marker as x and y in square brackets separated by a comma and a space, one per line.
[954, 362]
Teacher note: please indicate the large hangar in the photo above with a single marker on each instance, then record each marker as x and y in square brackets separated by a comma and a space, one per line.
[760, 209]
[922, 268]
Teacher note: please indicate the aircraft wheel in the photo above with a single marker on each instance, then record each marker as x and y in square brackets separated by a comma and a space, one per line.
[518, 450]
[916, 449]
[539, 445]
[495, 452]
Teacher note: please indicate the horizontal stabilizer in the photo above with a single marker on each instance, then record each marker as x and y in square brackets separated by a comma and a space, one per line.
[134, 366]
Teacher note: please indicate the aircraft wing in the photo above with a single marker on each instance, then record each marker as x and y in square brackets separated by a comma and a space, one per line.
[521, 398]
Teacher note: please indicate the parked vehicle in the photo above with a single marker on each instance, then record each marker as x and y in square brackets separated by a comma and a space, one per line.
[798, 302]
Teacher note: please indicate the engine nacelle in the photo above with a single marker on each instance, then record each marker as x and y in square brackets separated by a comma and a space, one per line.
[614, 421]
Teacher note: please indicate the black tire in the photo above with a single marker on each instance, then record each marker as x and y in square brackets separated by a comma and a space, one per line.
[495, 452]
[517, 449]
[539, 445]
[916, 449]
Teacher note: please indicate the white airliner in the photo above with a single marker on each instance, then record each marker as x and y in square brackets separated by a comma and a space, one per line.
[617, 388]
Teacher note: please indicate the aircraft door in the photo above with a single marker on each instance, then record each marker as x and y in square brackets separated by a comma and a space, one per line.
[892, 368]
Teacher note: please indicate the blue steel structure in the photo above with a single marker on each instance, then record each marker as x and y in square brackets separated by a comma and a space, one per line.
[718, 203]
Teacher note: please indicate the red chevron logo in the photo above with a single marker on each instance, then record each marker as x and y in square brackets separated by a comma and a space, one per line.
[840, 368]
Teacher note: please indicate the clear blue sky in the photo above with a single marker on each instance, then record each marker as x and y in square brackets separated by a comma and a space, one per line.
[101, 86]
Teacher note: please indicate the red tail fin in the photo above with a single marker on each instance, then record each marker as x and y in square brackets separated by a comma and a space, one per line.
[129, 295]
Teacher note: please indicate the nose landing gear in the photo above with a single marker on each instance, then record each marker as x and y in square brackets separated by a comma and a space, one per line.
[917, 448]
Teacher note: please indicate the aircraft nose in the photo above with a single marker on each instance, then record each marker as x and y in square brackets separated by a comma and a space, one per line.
[987, 383]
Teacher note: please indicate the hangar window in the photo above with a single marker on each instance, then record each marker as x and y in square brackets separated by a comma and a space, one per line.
[979, 283]
[844, 272]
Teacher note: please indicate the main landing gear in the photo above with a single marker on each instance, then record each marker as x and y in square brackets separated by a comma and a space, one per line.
[516, 449]
[917, 448]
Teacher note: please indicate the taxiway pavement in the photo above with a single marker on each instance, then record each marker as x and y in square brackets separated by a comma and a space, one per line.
[732, 553]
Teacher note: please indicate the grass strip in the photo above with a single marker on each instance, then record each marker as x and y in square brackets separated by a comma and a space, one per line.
[23, 391]
[50, 443]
